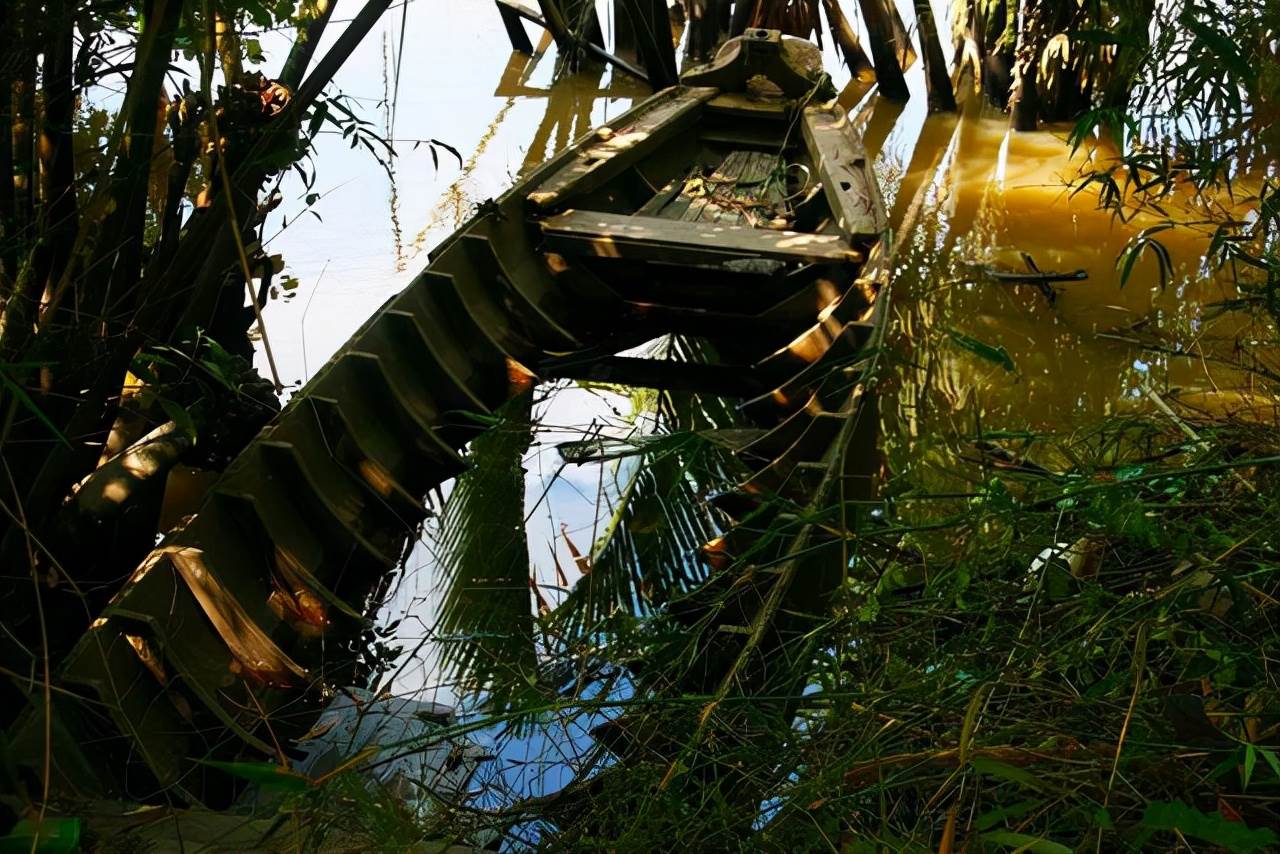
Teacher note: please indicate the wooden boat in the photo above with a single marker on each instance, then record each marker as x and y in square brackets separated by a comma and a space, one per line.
[748, 220]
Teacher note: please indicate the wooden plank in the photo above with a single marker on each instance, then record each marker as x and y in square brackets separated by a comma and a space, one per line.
[844, 170]
[757, 134]
[739, 104]
[612, 150]
[607, 235]
[660, 199]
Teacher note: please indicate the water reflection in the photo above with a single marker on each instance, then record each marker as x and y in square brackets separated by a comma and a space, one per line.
[977, 356]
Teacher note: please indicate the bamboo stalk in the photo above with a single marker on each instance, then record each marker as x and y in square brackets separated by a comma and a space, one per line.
[304, 46]
[9, 254]
[360, 25]
[699, 24]
[23, 112]
[57, 152]
[227, 42]
[743, 10]
[624, 29]
[558, 26]
[902, 46]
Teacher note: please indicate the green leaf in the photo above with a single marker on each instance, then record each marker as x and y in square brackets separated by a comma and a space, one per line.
[55, 836]
[1140, 243]
[179, 415]
[486, 620]
[1250, 760]
[1213, 828]
[991, 352]
[991, 819]
[20, 394]
[1024, 842]
[1271, 760]
[994, 768]
[266, 774]
[1221, 45]
[1100, 37]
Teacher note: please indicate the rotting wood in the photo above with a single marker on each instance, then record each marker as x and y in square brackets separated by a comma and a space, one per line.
[736, 104]
[844, 171]
[606, 235]
[615, 149]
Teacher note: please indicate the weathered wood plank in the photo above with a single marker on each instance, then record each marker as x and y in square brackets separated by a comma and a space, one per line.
[844, 170]
[735, 192]
[615, 149]
[606, 235]
[739, 104]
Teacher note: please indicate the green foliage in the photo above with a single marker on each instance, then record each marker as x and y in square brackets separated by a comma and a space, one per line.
[486, 623]
[1233, 836]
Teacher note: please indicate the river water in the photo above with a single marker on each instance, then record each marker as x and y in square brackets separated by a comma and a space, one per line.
[968, 356]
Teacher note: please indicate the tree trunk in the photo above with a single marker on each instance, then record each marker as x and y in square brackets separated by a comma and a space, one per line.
[741, 19]
[846, 38]
[1024, 101]
[119, 246]
[304, 48]
[937, 80]
[653, 31]
[880, 31]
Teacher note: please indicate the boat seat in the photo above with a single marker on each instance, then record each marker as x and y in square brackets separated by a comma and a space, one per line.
[608, 235]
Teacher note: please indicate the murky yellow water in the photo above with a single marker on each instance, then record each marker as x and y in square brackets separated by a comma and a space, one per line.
[983, 198]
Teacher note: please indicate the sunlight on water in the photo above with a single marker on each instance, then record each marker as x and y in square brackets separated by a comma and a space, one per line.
[975, 356]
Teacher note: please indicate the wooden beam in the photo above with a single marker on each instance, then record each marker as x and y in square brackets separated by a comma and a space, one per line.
[624, 28]
[621, 147]
[605, 235]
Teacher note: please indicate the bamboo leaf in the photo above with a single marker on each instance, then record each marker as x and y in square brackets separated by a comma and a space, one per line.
[20, 394]
[992, 353]
[1024, 842]
[487, 616]
[1234, 836]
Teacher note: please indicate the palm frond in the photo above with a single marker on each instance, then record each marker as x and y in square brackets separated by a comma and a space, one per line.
[486, 621]
[649, 549]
